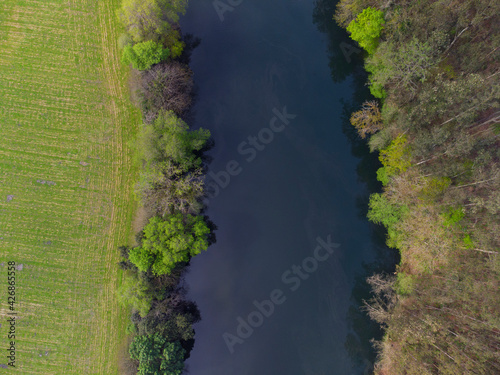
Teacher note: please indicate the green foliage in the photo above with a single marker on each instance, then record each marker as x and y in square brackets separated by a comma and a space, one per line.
[173, 325]
[144, 55]
[169, 242]
[134, 292]
[173, 363]
[366, 28]
[382, 176]
[434, 188]
[395, 158]
[157, 356]
[404, 65]
[453, 216]
[151, 19]
[381, 211]
[404, 283]
[131, 329]
[176, 49]
[169, 139]
[469, 244]
[376, 89]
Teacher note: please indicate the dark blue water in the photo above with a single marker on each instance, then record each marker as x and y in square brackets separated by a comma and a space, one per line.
[293, 188]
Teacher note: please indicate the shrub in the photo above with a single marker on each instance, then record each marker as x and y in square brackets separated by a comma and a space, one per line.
[144, 55]
[169, 242]
[366, 28]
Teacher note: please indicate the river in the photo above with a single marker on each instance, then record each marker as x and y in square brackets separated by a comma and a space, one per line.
[281, 289]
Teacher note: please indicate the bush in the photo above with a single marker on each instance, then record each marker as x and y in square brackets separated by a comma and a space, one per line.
[381, 211]
[152, 19]
[366, 28]
[168, 138]
[157, 356]
[171, 241]
[144, 55]
[396, 157]
[404, 283]
[134, 292]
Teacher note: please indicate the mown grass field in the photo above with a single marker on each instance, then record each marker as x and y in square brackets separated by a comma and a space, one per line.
[65, 183]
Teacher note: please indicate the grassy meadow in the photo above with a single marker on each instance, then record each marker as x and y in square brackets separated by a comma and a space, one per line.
[65, 183]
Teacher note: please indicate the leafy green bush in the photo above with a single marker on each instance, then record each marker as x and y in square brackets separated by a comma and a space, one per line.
[168, 138]
[157, 356]
[134, 292]
[366, 28]
[404, 283]
[469, 244]
[383, 212]
[144, 55]
[395, 158]
[382, 175]
[152, 19]
[169, 242]
[453, 216]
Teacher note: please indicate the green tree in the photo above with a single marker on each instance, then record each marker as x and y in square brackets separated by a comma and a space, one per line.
[135, 292]
[144, 55]
[395, 159]
[173, 359]
[381, 211]
[171, 241]
[366, 28]
[169, 138]
[404, 65]
[151, 19]
[157, 356]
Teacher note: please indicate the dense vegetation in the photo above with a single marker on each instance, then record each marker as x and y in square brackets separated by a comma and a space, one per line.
[434, 68]
[170, 189]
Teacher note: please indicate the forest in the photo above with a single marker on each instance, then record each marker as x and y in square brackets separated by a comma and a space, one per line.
[434, 120]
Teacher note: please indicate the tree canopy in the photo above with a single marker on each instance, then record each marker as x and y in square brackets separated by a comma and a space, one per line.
[151, 19]
[157, 356]
[134, 292]
[171, 241]
[144, 55]
[169, 138]
[366, 28]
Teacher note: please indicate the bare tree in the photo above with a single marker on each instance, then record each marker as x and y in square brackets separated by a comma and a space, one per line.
[166, 86]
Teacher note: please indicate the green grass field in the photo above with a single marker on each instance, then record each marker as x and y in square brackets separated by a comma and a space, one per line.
[65, 183]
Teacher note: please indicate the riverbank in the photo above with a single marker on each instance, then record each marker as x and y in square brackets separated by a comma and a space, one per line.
[170, 224]
[434, 69]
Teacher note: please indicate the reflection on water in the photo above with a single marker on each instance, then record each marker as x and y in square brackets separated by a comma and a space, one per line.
[310, 181]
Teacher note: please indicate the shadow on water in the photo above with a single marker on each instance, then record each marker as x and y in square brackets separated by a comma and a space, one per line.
[346, 62]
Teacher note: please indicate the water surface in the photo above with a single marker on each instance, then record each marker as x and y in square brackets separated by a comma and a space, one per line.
[297, 185]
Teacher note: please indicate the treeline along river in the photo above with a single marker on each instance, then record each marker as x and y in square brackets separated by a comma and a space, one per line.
[280, 292]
